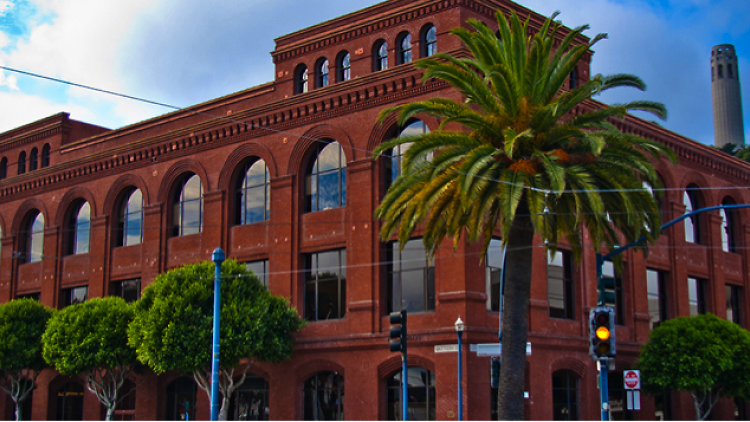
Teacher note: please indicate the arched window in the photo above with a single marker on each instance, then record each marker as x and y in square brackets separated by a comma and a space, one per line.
[253, 197]
[3, 168]
[33, 237]
[126, 406]
[404, 48]
[181, 400]
[564, 396]
[394, 157]
[22, 162]
[429, 40]
[326, 177]
[692, 224]
[321, 72]
[343, 67]
[300, 79]
[45, 155]
[573, 79]
[420, 390]
[250, 401]
[130, 218]
[380, 56]
[493, 263]
[33, 159]
[323, 397]
[188, 207]
[69, 403]
[728, 226]
[79, 228]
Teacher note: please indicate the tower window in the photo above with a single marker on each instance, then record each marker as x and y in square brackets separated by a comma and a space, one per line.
[729, 71]
[721, 71]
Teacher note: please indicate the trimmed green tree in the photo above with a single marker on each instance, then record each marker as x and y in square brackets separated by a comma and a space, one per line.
[704, 355]
[91, 338]
[22, 324]
[530, 158]
[173, 325]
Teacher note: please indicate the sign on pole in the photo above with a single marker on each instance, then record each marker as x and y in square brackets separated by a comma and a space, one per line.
[632, 383]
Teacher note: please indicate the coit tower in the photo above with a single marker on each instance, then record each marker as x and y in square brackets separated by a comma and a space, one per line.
[725, 92]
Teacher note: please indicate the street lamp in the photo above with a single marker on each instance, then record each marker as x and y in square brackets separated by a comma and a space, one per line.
[460, 326]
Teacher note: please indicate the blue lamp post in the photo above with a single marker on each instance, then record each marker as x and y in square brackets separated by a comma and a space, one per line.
[460, 326]
[218, 258]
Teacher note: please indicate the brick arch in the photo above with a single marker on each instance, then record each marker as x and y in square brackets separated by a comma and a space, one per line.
[123, 182]
[238, 156]
[175, 172]
[693, 178]
[23, 211]
[70, 196]
[3, 227]
[308, 369]
[302, 149]
[393, 364]
[570, 364]
[386, 129]
[665, 171]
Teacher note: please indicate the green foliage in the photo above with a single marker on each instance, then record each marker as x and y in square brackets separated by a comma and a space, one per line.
[22, 324]
[521, 144]
[89, 335]
[743, 154]
[702, 354]
[173, 325]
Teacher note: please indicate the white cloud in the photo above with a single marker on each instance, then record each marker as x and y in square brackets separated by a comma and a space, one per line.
[18, 109]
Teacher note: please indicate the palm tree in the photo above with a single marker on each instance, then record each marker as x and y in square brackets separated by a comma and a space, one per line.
[522, 164]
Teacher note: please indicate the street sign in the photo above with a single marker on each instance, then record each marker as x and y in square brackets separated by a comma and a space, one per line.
[493, 349]
[632, 380]
[446, 348]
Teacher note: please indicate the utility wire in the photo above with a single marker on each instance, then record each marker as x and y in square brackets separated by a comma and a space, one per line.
[224, 118]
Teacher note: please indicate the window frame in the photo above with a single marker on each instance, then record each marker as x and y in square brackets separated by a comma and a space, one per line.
[619, 305]
[322, 73]
[568, 286]
[393, 394]
[179, 202]
[395, 272]
[692, 224]
[263, 276]
[495, 255]
[67, 296]
[33, 159]
[79, 228]
[429, 46]
[696, 295]
[318, 383]
[301, 79]
[124, 218]
[343, 73]
[404, 48]
[245, 185]
[659, 294]
[45, 161]
[567, 388]
[21, 163]
[312, 277]
[380, 55]
[314, 174]
[33, 237]
[734, 303]
[117, 288]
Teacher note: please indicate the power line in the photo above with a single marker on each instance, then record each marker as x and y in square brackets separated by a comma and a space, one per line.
[231, 120]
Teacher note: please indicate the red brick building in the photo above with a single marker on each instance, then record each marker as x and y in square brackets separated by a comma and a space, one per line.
[281, 176]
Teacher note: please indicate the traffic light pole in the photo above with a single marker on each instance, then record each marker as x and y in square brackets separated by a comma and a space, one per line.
[404, 385]
[604, 387]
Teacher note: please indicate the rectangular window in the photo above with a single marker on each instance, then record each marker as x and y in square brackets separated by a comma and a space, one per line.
[410, 278]
[560, 285]
[260, 268]
[734, 310]
[494, 274]
[657, 297]
[325, 285]
[74, 295]
[613, 296]
[696, 296]
[35, 296]
[129, 290]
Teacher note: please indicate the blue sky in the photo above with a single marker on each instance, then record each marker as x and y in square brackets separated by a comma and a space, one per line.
[182, 52]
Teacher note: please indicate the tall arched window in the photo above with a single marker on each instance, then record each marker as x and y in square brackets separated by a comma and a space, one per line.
[3, 168]
[326, 177]
[253, 197]
[33, 236]
[188, 207]
[564, 396]
[33, 159]
[380, 56]
[130, 218]
[728, 226]
[79, 228]
[321, 72]
[323, 397]
[250, 401]
[22, 162]
[45, 155]
[69, 403]
[300, 79]
[429, 40]
[394, 157]
[692, 224]
[404, 48]
[181, 400]
[420, 390]
[343, 67]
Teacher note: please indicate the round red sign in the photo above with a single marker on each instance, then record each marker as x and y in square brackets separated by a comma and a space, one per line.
[632, 380]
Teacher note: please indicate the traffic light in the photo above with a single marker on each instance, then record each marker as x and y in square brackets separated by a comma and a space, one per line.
[609, 292]
[602, 326]
[397, 340]
[494, 372]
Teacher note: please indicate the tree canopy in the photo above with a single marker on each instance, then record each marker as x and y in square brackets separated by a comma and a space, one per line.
[91, 338]
[22, 324]
[173, 325]
[704, 355]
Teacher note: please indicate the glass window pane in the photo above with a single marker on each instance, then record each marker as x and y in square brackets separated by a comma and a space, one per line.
[328, 193]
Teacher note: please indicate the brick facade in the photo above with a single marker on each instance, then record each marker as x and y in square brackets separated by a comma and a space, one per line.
[215, 139]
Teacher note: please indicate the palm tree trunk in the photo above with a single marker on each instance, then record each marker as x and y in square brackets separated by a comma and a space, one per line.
[515, 304]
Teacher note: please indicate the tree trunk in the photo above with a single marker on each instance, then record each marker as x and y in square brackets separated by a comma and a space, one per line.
[514, 326]
[224, 408]
[110, 412]
[18, 411]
